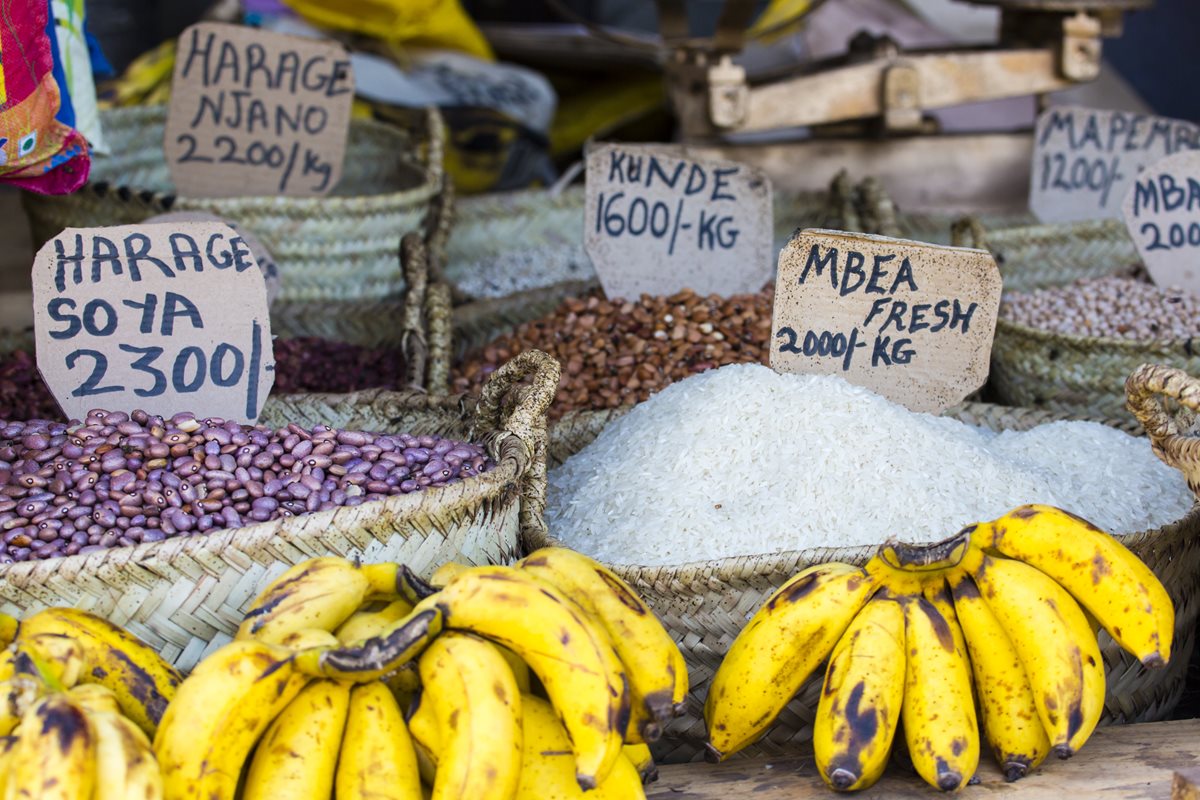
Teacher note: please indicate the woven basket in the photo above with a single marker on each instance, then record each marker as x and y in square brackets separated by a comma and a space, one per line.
[186, 595]
[704, 605]
[1038, 256]
[341, 246]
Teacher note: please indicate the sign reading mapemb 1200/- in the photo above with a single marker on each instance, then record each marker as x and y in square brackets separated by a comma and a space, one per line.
[656, 222]
[165, 318]
[911, 321]
[256, 113]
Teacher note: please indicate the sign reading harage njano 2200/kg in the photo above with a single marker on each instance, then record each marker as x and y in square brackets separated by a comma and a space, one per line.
[165, 318]
[257, 113]
[911, 321]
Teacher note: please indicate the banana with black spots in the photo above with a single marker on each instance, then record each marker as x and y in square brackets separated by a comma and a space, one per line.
[377, 760]
[55, 754]
[298, 755]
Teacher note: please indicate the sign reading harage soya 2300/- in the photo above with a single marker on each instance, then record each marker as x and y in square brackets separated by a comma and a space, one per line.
[164, 318]
[256, 113]
[910, 321]
[1085, 160]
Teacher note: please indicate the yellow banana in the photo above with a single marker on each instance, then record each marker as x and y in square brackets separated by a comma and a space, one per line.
[446, 573]
[298, 754]
[475, 700]
[94, 698]
[520, 669]
[548, 770]
[125, 765]
[657, 672]
[1100, 573]
[426, 738]
[319, 593]
[8, 745]
[142, 681]
[938, 710]
[377, 759]
[367, 624]
[781, 646]
[55, 755]
[63, 657]
[17, 694]
[1055, 643]
[405, 684]
[379, 656]
[309, 638]
[1011, 723]
[8, 629]
[643, 761]
[861, 698]
[218, 714]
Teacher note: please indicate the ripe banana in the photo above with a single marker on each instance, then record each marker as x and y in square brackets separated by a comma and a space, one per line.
[125, 763]
[657, 672]
[938, 708]
[218, 714]
[298, 754]
[377, 759]
[477, 706]
[94, 698]
[142, 681]
[1011, 723]
[364, 625]
[861, 698]
[643, 761]
[1100, 573]
[426, 737]
[8, 629]
[548, 771]
[781, 646]
[319, 593]
[18, 694]
[379, 656]
[1055, 643]
[446, 573]
[8, 745]
[61, 658]
[55, 755]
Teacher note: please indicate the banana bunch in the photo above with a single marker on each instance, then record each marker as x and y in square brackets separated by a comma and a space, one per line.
[546, 679]
[79, 700]
[146, 81]
[993, 628]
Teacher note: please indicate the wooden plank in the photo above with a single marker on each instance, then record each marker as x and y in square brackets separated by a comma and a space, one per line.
[1122, 762]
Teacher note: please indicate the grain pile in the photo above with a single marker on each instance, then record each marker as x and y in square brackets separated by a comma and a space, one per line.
[742, 461]
[1110, 307]
[617, 352]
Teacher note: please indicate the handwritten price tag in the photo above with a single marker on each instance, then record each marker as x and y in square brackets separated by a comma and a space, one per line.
[257, 113]
[166, 318]
[911, 321]
[1085, 160]
[1162, 212]
[656, 223]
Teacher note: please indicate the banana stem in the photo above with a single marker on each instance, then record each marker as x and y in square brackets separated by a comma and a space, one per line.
[378, 656]
[927, 557]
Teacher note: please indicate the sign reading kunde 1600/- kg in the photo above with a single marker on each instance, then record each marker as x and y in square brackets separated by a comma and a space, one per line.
[911, 321]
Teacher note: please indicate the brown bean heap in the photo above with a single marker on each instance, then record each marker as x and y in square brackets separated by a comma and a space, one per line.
[1111, 307]
[616, 352]
[121, 479]
[306, 364]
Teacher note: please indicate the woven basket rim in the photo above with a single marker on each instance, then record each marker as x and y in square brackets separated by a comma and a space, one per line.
[510, 464]
[330, 204]
[1133, 346]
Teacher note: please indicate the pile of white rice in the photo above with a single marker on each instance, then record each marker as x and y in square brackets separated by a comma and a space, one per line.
[741, 460]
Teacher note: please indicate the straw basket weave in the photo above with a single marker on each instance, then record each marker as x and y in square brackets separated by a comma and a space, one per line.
[341, 246]
[704, 605]
[186, 595]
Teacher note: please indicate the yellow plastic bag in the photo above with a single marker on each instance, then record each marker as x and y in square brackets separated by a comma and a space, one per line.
[425, 23]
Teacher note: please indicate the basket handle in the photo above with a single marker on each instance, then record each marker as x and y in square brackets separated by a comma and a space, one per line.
[1146, 390]
[439, 219]
[968, 231]
[524, 417]
[440, 330]
[413, 345]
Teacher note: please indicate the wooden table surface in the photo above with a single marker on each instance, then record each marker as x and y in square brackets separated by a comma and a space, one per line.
[1122, 762]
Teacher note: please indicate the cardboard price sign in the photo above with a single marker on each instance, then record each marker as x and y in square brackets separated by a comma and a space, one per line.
[166, 318]
[910, 321]
[262, 256]
[1085, 160]
[656, 222]
[1162, 212]
[257, 113]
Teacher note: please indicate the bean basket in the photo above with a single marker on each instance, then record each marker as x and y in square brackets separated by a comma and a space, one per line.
[185, 595]
[338, 247]
[705, 604]
[1062, 372]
